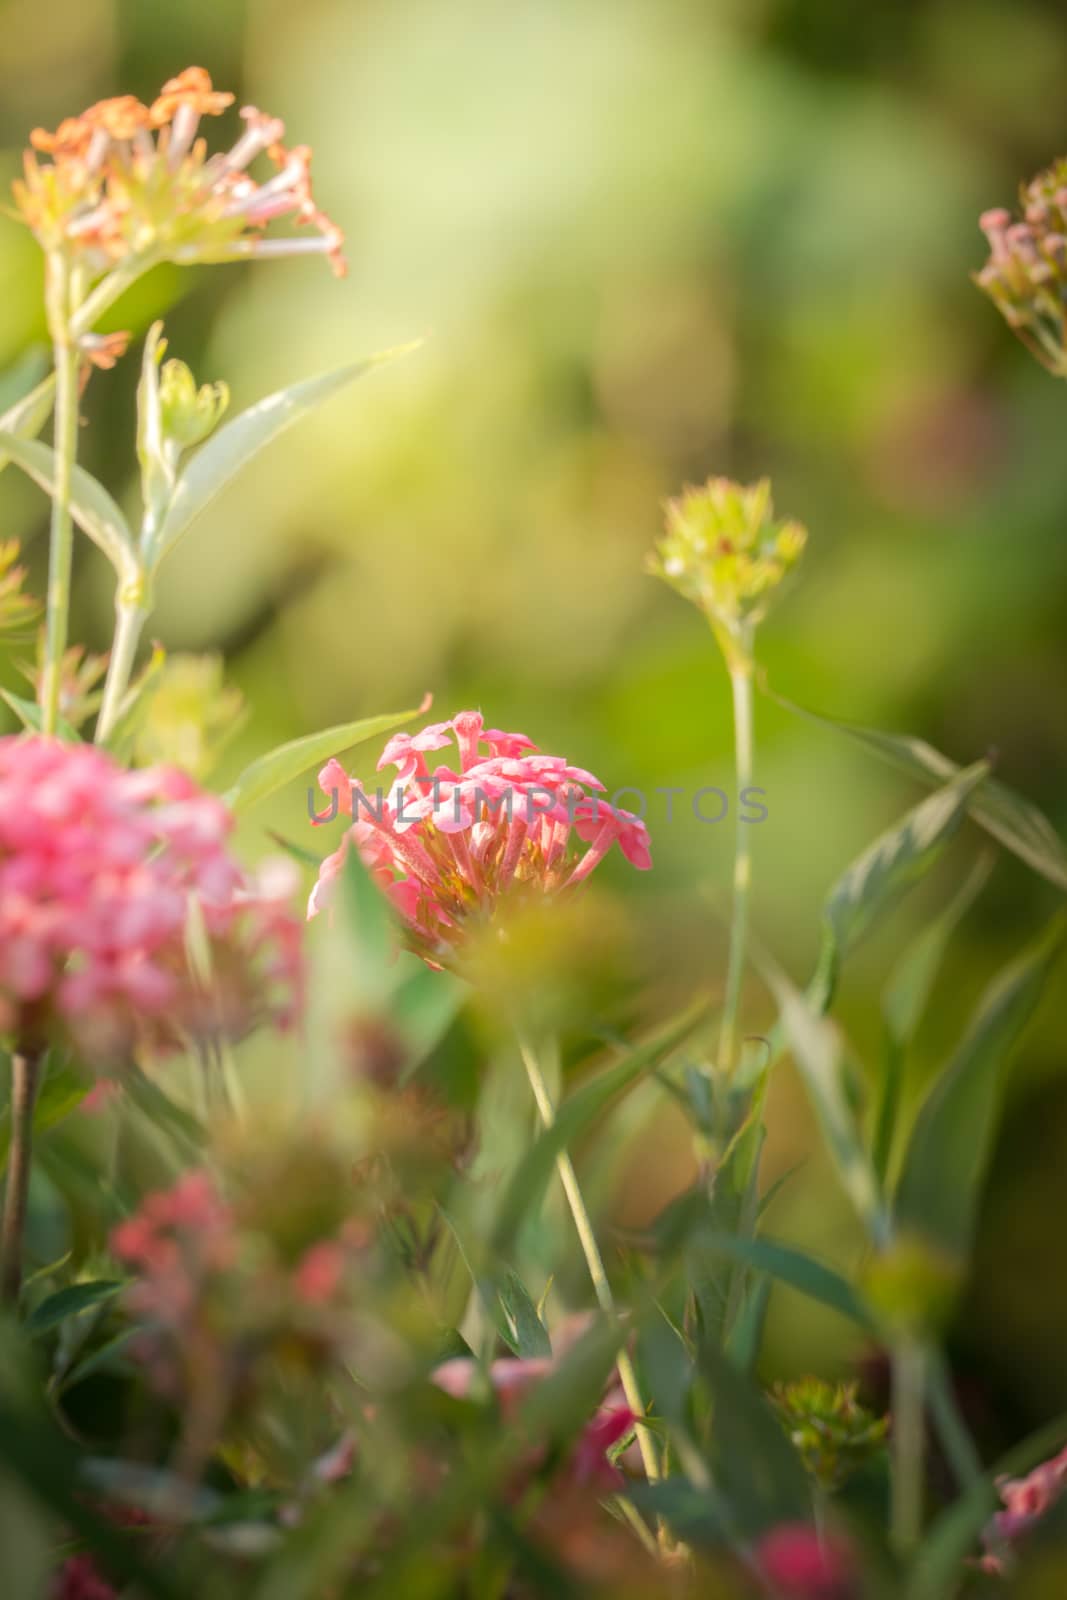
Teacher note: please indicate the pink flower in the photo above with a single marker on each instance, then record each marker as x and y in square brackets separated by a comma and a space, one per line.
[124, 180]
[103, 873]
[1026, 1501]
[79, 1579]
[512, 1379]
[448, 846]
[320, 1273]
[797, 1563]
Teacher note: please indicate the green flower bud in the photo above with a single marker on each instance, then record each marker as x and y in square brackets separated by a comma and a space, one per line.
[189, 414]
[833, 1434]
[724, 551]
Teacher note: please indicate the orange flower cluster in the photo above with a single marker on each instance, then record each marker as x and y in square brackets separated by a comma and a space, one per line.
[126, 182]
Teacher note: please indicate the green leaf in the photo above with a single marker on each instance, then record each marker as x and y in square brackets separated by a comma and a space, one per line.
[36, 1454]
[370, 923]
[424, 1007]
[290, 761]
[695, 1516]
[91, 506]
[754, 1465]
[908, 990]
[905, 1000]
[529, 1333]
[62, 1091]
[110, 1357]
[796, 1270]
[953, 1135]
[1010, 819]
[533, 1173]
[28, 416]
[69, 1302]
[156, 476]
[232, 446]
[887, 869]
[29, 714]
[817, 1049]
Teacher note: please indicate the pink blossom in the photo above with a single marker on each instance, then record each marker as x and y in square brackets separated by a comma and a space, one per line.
[320, 1272]
[512, 1379]
[79, 1578]
[797, 1563]
[449, 845]
[99, 871]
[1026, 1501]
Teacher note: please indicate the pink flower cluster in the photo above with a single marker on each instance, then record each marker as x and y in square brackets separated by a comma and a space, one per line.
[1026, 1501]
[99, 871]
[512, 1380]
[449, 845]
[209, 1277]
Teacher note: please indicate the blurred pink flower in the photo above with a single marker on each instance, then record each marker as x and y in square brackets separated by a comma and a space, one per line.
[79, 1579]
[797, 1563]
[448, 846]
[100, 870]
[512, 1379]
[1026, 1501]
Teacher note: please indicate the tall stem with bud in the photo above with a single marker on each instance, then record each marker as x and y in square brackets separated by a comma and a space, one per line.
[739, 662]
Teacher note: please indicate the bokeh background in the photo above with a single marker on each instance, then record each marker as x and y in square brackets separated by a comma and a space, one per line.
[647, 240]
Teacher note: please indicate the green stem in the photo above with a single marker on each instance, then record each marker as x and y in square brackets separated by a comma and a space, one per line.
[907, 1444]
[594, 1261]
[129, 620]
[107, 291]
[741, 684]
[25, 1074]
[65, 444]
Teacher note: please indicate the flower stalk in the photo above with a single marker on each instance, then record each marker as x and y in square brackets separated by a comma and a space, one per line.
[740, 666]
[130, 617]
[25, 1079]
[907, 1442]
[61, 294]
[594, 1261]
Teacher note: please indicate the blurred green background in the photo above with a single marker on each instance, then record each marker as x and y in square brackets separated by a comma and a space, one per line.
[648, 240]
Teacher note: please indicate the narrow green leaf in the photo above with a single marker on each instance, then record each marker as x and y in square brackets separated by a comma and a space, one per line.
[953, 1135]
[529, 1333]
[1009, 818]
[232, 446]
[817, 1049]
[290, 761]
[368, 916]
[753, 1464]
[156, 477]
[746, 1336]
[424, 1007]
[62, 1091]
[908, 990]
[532, 1176]
[110, 1357]
[905, 1000]
[29, 714]
[91, 506]
[796, 1270]
[70, 1302]
[28, 416]
[889, 867]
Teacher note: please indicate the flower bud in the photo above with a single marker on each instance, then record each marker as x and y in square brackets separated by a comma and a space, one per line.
[724, 550]
[189, 413]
